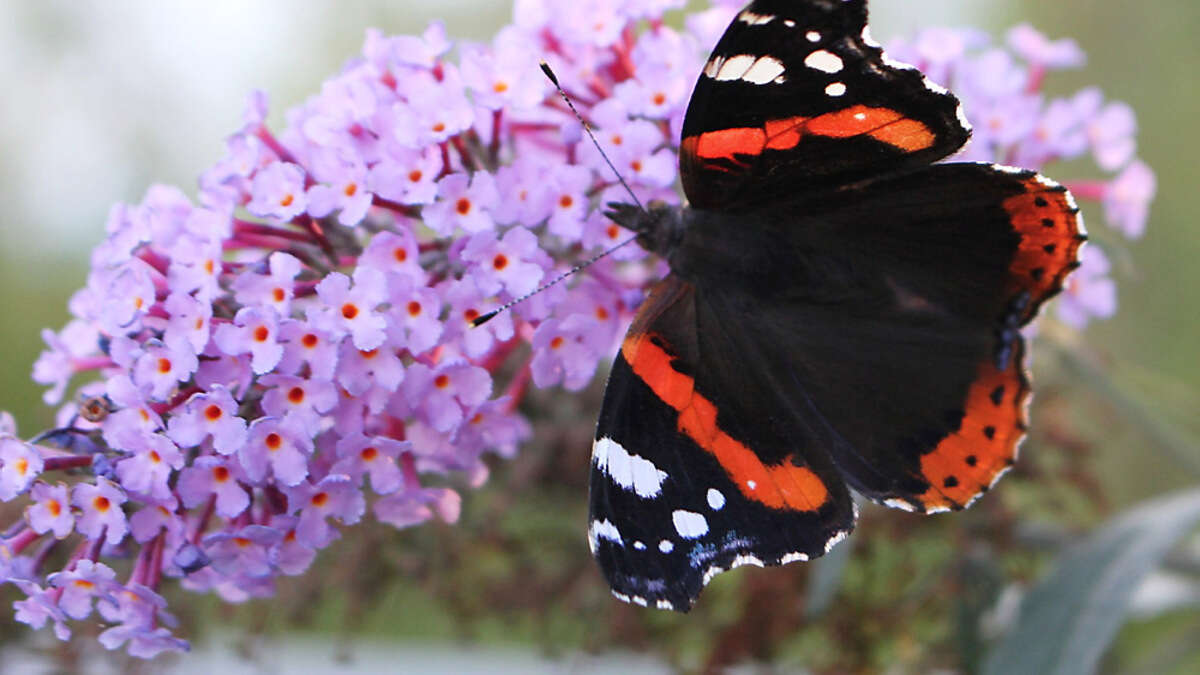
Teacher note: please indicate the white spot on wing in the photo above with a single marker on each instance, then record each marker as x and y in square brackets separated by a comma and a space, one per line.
[824, 61]
[789, 23]
[867, 39]
[837, 538]
[765, 69]
[962, 117]
[639, 546]
[716, 500]
[736, 66]
[631, 472]
[751, 484]
[793, 557]
[1004, 168]
[836, 89]
[746, 559]
[710, 573]
[753, 19]
[714, 66]
[934, 86]
[901, 504]
[666, 546]
[812, 36]
[604, 529]
[689, 524]
[1048, 182]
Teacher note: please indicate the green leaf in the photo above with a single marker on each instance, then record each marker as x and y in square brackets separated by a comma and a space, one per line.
[1068, 619]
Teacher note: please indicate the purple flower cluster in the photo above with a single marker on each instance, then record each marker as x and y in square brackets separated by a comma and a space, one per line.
[1014, 123]
[293, 350]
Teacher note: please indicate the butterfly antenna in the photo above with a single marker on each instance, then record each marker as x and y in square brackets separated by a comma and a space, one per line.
[587, 127]
[484, 318]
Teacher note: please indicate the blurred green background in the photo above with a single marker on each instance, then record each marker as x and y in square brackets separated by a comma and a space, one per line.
[103, 99]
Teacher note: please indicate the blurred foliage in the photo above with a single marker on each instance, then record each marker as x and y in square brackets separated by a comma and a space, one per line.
[1114, 422]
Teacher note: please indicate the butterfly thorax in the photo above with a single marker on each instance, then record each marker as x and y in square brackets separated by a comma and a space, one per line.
[763, 252]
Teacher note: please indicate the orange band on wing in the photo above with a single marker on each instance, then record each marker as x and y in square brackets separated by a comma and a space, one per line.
[726, 143]
[784, 486]
[882, 124]
[853, 121]
[784, 134]
[1048, 223]
[966, 462]
[908, 135]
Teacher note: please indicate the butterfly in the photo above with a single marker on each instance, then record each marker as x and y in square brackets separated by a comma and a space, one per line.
[841, 314]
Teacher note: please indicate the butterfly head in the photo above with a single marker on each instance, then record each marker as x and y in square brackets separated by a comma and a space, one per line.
[659, 227]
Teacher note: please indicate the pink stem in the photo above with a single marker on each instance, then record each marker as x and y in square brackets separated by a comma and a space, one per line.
[241, 227]
[273, 143]
[65, 463]
[22, 540]
[519, 385]
[202, 522]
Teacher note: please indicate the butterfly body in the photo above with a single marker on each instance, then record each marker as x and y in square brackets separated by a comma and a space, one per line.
[841, 314]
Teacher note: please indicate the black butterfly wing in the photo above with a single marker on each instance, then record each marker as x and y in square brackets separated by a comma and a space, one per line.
[700, 463]
[797, 98]
[868, 338]
[896, 308]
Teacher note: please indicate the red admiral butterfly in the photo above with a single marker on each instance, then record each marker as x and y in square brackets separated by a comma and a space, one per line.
[841, 313]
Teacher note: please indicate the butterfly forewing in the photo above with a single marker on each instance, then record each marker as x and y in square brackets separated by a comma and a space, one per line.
[796, 97]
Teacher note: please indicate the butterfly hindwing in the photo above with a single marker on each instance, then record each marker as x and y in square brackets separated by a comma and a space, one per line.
[796, 97]
[902, 335]
[679, 494]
